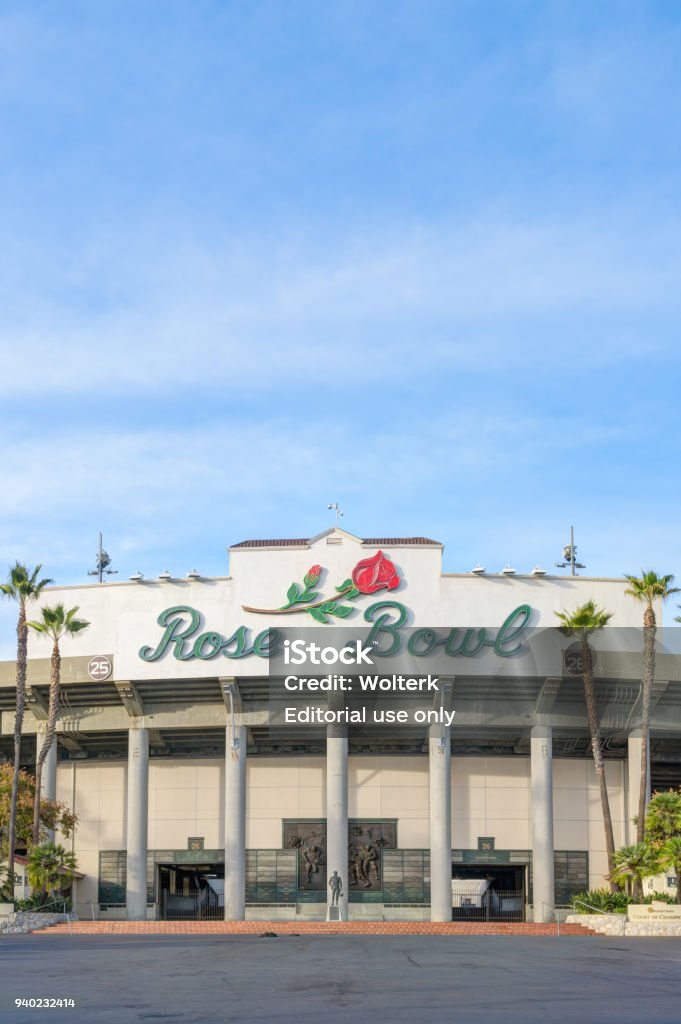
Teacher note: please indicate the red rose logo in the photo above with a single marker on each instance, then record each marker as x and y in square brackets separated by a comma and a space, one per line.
[312, 575]
[376, 573]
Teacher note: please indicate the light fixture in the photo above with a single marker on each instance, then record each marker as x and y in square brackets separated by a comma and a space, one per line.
[193, 574]
[103, 563]
[334, 506]
[478, 569]
[538, 571]
[137, 577]
[165, 575]
[508, 571]
[570, 556]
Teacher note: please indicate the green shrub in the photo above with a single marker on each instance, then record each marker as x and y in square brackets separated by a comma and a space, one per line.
[40, 900]
[6, 890]
[603, 901]
[659, 897]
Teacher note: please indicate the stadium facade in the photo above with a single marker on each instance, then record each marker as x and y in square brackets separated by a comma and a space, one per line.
[194, 791]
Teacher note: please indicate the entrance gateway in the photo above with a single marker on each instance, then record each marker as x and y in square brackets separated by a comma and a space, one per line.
[488, 893]
[191, 892]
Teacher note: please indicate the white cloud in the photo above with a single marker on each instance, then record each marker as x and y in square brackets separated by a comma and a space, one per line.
[182, 483]
[133, 317]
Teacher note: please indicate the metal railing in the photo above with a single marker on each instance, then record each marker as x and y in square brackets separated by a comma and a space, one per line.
[87, 903]
[597, 910]
[43, 906]
[195, 906]
[491, 905]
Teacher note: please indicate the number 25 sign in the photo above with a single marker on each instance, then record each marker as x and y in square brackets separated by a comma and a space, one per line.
[99, 668]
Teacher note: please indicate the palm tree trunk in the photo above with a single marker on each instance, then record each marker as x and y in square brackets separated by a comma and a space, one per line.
[52, 709]
[36, 802]
[647, 679]
[594, 729]
[22, 644]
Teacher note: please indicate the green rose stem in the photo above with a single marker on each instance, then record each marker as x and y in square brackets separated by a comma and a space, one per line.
[300, 607]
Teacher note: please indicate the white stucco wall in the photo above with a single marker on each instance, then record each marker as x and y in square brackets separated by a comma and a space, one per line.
[490, 797]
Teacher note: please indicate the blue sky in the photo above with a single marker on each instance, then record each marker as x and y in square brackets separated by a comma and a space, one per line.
[418, 257]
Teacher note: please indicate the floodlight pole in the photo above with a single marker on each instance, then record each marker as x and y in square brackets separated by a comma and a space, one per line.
[103, 561]
[335, 506]
[571, 558]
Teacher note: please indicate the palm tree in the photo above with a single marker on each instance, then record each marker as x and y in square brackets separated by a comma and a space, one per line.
[647, 588]
[671, 857]
[663, 820]
[56, 623]
[50, 868]
[21, 587]
[633, 864]
[582, 623]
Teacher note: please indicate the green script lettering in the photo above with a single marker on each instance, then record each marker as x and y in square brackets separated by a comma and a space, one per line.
[507, 634]
[174, 633]
[384, 625]
[238, 639]
[387, 617]
[427, 637]
[266, 643]
[207, 646]
[464, 648]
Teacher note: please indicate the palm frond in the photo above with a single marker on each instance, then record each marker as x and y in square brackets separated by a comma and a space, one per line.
[57, 621]
[23, 586]
[649, 587]
[586, 619]
[39, 627]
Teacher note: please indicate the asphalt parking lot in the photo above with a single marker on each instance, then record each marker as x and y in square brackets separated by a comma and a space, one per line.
[324, 980]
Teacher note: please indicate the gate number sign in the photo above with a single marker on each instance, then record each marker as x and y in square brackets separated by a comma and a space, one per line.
[573, 661]
[99, 668]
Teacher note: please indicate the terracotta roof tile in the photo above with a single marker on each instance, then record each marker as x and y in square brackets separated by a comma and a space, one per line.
[295, 542]
[399, 540]
[285, 542]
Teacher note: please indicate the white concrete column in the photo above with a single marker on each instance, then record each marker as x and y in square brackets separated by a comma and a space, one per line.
[235, 822]
[337, 811]
[48, 781]
[440, 768]
[138, 802]
[541, 758]
[634, 744]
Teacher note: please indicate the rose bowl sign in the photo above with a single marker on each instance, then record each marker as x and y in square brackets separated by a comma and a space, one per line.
[387, 620]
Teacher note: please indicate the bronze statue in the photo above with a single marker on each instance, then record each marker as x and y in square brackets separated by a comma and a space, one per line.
[369, 855]
[311, 856]
[336, 887]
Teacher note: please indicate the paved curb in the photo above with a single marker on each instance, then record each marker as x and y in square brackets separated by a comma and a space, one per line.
[311, 928]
